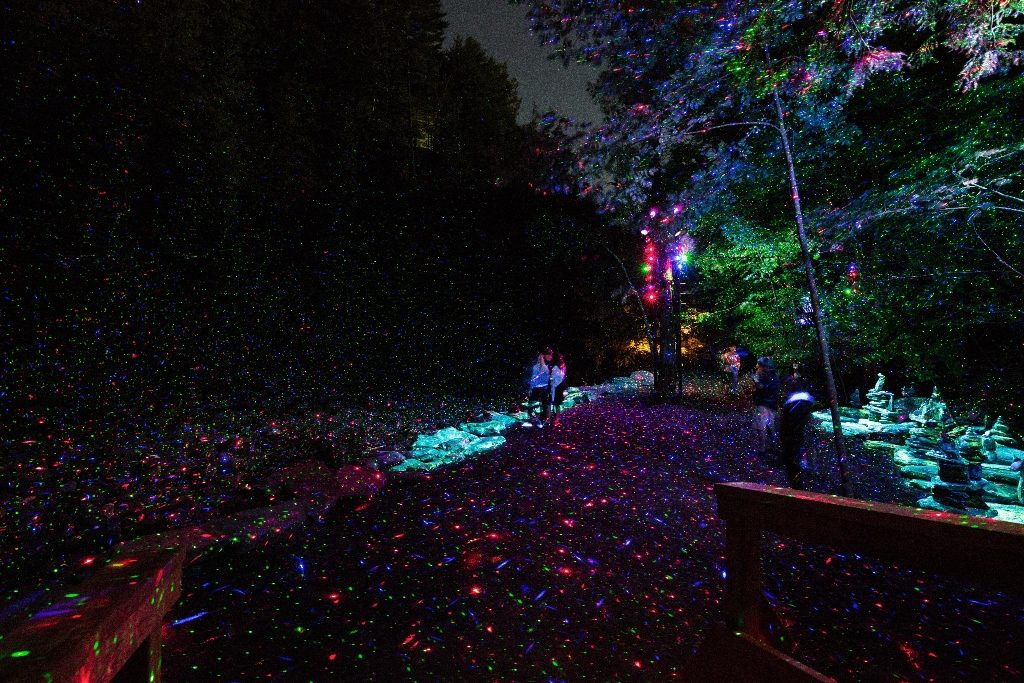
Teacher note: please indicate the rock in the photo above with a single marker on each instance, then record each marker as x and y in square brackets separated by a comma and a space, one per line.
[825, 416]
[929, 503]
[922, 472]
[856, 430]
[959, 496]
[448, 438]
[426, 455]
[902, 456]
[492, 428]
[953, 471]
[850, 429]
[932, 411]
[1000, 433]
[449, 451]
[622, 386]
[1004, 455]
[409, 465]
[507, 420]
[897, 428]
[1001, 493]
[969, 447]
[382, 460]
[855, 399]
[487, 444]
[450, 459]
[577, 396]
[880, 446]
[999, 473]
[880, 402]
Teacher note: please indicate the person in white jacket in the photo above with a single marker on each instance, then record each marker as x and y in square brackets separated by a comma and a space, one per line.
[545, 376]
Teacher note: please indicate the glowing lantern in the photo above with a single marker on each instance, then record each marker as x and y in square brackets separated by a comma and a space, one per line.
[853, 276]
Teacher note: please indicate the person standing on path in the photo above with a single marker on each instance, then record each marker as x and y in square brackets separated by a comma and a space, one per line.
[731, 365]
[794, 381]
[793, 415]
[545, 376]
[558, 395]
[766, 401]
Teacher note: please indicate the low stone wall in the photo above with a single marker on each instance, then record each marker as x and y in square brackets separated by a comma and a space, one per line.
[919, 464]
[452, 445]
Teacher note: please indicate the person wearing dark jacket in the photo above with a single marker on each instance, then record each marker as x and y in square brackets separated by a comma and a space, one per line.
[766, 400]
[793, 417]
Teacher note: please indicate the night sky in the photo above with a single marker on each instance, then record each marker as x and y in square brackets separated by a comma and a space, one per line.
[545, 84]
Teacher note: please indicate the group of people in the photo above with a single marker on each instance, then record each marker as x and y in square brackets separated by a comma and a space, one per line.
[782, 408]
[547, 385]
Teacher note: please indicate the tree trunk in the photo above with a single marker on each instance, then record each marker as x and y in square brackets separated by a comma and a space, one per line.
[648, 328]
[812, 286]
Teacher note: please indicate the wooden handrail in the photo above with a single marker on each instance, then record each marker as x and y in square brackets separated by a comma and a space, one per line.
[979, 550]
[910, 537]
[108, 626]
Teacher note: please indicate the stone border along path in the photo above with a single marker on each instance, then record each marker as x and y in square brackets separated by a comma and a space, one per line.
[318, 489]
[1000, 493]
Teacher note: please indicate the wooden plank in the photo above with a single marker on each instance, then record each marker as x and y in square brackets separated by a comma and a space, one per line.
[743, 576]
[89, 632]
[981, 550]
[728, 656]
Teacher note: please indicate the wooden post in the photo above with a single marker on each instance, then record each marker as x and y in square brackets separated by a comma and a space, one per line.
[933, 541]
[145, 664]
[743, 577]
[107, 628]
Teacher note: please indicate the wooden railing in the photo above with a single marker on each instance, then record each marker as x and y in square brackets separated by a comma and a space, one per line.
[978, 550]
[106, 627]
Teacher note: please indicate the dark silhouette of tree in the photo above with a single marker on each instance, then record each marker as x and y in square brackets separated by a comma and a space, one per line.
[477, 138]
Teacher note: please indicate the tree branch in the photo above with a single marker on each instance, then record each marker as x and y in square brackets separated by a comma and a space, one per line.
[995, 253]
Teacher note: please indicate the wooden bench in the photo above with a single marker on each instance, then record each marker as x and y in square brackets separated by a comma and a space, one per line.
[106, 627]
[738, 650]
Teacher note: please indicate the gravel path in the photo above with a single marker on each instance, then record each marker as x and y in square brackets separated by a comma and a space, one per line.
[590, 551]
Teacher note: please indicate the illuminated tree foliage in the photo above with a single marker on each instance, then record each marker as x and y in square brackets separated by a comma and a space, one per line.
[901, 117]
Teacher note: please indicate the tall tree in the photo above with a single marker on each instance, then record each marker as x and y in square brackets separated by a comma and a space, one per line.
[672, 71]
[476, 134]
